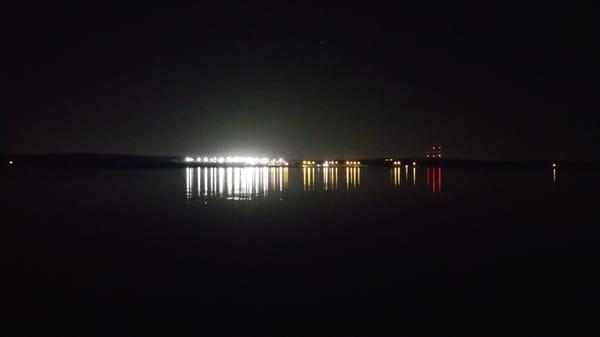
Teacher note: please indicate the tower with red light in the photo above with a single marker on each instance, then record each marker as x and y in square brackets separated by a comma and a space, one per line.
[435, 153]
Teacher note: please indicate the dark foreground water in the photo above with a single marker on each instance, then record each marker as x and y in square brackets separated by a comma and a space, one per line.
[307, 252]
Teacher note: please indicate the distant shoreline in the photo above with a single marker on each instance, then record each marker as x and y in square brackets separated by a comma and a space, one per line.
[136, 161]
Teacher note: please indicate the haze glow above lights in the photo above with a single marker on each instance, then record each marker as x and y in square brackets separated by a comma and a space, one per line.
[237, 160]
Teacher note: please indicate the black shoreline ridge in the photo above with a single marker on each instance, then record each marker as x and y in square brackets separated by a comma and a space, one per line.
[141, 161]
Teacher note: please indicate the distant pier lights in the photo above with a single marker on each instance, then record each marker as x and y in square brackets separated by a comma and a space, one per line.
[436, 152]
[236, 161]
[330, 163]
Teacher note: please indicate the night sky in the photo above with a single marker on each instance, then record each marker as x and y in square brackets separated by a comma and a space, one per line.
[484, 81]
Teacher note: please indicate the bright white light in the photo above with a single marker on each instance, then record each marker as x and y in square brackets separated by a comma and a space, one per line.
[553, 164]
[10, 162]
[414, 164]
[236, 160]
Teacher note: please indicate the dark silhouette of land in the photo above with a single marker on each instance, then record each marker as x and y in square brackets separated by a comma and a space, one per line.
[86, 160]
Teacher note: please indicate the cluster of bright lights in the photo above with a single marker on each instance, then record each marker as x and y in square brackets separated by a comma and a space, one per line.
[397, 162]
[352, 162]
[308, 162]
[330, 163]
[436, 152]
[251, 161]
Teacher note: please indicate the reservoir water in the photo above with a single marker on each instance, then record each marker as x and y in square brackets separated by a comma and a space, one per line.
[290, 251]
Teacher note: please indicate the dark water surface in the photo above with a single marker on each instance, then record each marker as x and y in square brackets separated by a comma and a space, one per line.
[310, 252]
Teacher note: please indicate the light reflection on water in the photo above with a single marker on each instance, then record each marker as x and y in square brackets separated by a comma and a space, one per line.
[352, 177]
[330, 178]
[396, 176]
[246, 183]
[308, 178]
[235, 183]
[434, 180]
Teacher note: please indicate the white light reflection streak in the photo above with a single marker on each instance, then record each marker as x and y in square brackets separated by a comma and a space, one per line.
[189, 178]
